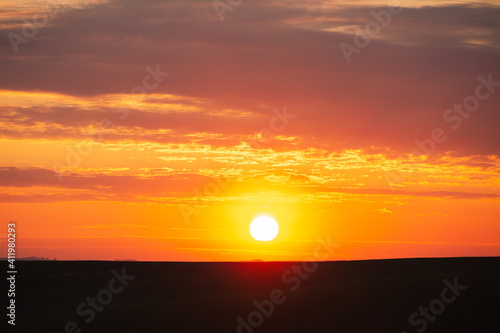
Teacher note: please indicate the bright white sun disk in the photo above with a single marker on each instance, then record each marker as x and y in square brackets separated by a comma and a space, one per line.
[264, 228]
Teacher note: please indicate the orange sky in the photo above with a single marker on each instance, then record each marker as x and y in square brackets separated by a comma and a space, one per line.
[156, 131]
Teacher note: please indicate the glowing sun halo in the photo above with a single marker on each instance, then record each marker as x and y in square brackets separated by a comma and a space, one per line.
[264, 228]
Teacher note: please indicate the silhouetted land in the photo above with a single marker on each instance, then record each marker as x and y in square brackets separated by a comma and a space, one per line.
[356, 296]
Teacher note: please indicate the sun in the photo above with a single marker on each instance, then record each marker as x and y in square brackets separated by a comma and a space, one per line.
[264, 228]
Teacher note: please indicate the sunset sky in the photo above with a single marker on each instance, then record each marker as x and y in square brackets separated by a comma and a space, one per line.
[157, 130]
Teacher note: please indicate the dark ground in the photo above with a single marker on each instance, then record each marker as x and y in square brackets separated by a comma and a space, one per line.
[356, 296]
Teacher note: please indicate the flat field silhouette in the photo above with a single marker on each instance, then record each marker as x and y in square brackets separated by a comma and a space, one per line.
[344, 296]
